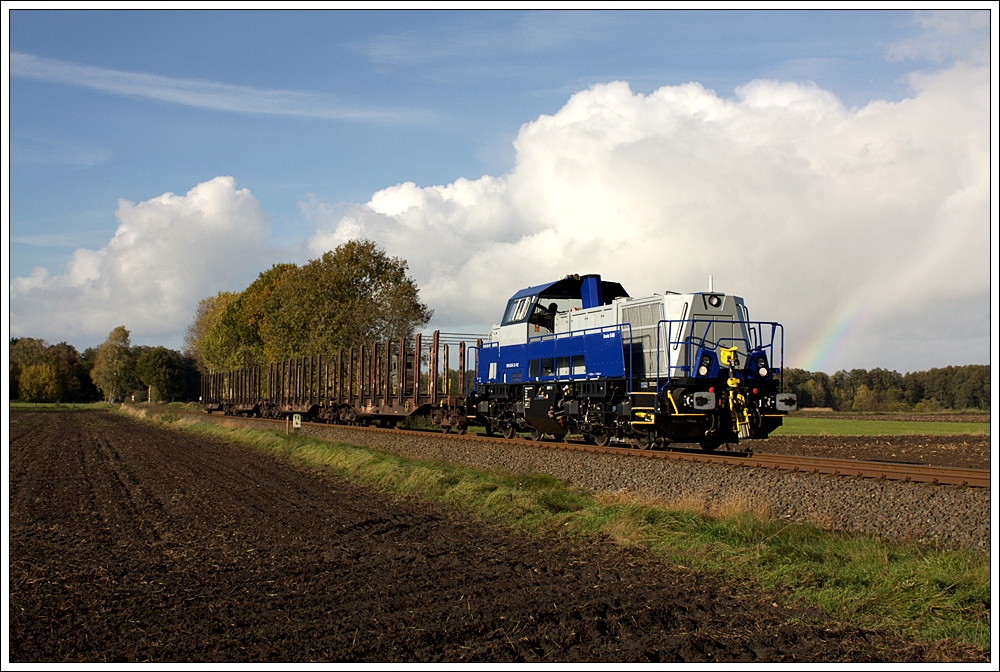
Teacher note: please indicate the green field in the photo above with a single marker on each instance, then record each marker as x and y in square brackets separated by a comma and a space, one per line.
[793, 426]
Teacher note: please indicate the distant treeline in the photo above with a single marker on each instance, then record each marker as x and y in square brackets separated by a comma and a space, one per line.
[115, 371]
[953, 387]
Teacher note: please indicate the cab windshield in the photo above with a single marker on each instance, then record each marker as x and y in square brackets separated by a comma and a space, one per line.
[519, 309]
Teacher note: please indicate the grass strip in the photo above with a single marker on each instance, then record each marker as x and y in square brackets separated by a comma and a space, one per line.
[851, 427]
[924, 593]
[82, 406]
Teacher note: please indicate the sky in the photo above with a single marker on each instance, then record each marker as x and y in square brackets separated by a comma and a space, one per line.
[830, 167]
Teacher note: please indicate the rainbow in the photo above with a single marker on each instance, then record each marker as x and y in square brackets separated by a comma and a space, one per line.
[838, 332]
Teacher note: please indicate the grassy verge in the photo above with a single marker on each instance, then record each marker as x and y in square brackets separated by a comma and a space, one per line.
[28, 406]
[851, 427]
[927, 594]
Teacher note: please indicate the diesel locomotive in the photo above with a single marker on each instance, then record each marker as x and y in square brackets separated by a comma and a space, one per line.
[580, 356]
[574, 356]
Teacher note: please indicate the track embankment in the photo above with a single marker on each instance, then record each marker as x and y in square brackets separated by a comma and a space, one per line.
[951, 515]
[130, 542]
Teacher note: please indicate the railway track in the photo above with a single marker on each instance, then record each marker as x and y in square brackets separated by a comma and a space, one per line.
[892, 471]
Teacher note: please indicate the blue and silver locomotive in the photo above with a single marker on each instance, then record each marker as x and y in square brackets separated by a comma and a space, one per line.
[580, 356]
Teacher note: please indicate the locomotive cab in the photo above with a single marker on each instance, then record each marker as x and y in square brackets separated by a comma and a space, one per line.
[533, 311]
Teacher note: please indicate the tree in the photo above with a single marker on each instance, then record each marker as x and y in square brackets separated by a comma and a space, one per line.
[65, 360]
[865, 399]
[40, 383]
[88, 391]
[71, 371]
[250, 323]
[23, 353]
[114, 367]
[196, 339]
[160, 369]
[355, 294]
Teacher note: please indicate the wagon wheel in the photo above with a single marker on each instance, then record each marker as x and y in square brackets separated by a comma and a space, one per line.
[461, 430]
[535, 434]
[508, 431]
[454, 420]
[487, 428]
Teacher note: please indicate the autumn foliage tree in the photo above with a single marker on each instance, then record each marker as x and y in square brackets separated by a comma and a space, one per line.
[196, 336]
[40, 383]
[42, 372]
[352, 295]
[114, 368]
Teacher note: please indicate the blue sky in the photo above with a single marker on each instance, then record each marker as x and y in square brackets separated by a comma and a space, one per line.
[314, 113]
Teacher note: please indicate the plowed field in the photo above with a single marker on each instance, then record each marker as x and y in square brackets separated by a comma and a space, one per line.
[132, 543]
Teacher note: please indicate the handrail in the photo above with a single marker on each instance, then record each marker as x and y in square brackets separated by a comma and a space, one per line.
[753, 339]
[694, 342]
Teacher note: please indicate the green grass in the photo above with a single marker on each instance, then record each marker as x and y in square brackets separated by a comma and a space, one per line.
[29, 406]
[793, 426]
[925, 593]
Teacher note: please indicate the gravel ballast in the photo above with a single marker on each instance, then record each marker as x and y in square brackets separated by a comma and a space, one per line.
[953, 516]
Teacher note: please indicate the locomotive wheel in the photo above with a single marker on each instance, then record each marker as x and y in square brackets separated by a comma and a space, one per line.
[508, 432]
[710, 446]
[642, 441]
[535, 434]
[601, 437]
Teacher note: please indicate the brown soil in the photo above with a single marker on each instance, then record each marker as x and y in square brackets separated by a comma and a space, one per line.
[132, 543]
[964, 450]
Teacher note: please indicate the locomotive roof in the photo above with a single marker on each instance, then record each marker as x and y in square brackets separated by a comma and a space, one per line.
[569, 288]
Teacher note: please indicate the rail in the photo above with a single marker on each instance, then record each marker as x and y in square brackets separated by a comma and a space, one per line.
[890, 471]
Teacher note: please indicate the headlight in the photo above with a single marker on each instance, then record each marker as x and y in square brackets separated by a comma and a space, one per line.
[762, 367]
[714, 301]
[703, 365]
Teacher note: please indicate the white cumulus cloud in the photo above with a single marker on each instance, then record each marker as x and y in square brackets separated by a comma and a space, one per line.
[869, 225]
[167, 254]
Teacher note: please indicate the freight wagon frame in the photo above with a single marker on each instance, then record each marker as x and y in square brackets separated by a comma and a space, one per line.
[369, 384]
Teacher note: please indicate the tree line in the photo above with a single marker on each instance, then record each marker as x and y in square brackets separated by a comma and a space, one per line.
[353, 295]
[114, 371]
[951, 387]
